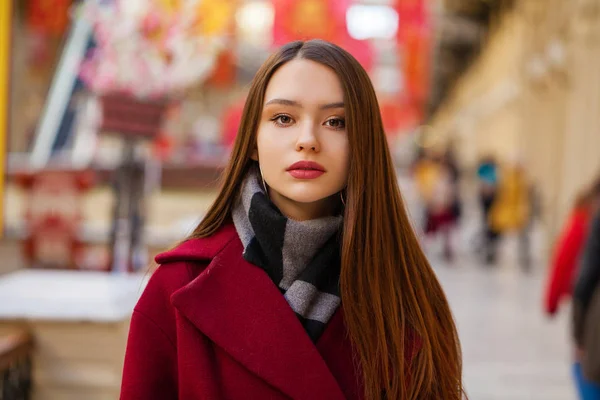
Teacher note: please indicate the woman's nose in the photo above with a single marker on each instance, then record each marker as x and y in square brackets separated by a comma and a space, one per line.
[308, 139]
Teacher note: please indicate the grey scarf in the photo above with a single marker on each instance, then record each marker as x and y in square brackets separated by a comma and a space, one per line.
[301, 258]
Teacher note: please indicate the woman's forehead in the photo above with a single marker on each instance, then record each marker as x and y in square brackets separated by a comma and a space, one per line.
[305, 82]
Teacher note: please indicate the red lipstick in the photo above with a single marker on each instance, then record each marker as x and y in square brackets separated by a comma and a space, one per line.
[306, 170]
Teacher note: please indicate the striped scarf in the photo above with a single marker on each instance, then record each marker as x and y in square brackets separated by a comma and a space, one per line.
[301, 258]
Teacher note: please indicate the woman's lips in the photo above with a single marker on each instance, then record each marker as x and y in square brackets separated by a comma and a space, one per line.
[306, 170]
[305, 173]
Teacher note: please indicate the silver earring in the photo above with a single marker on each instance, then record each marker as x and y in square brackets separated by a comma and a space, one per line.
[263, 179]
[342, 198]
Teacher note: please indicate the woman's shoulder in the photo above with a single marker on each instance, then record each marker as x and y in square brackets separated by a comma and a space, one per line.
[198, 249]
[182, 264]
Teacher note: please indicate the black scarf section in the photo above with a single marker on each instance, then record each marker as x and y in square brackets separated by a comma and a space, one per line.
[301, 257]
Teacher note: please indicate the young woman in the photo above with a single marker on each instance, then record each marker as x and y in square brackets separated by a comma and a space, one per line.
[585, 244]
[305, 279]
[568, 249]
[563, 275]
[585, 317]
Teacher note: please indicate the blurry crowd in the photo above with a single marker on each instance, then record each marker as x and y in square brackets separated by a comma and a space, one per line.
[509, 205]
[505, 195]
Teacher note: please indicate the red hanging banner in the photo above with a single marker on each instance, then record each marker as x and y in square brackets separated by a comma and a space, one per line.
[411, 10]
[224, 73]
[416, 51]
[415, 46]
[308, 19]
[50, 17]
[318, 19]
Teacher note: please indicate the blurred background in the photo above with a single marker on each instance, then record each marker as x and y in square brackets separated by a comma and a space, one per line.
[118, 117]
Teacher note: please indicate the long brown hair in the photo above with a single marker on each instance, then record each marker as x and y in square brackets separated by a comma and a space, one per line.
[587, 197]
[389, 292]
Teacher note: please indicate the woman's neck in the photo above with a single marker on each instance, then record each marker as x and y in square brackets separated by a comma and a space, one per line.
[304, 211]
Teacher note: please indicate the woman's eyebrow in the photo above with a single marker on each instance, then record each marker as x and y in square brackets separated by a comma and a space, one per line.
[293, 103]
[284, 102]
[329, 106]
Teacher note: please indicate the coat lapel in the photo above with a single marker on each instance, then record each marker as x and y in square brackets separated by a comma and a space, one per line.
[239, 308]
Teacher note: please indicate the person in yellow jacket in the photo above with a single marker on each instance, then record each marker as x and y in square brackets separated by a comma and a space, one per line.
[427, 173]
[511, 209]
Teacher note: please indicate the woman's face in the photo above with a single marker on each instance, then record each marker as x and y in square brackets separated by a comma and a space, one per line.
[302, 144]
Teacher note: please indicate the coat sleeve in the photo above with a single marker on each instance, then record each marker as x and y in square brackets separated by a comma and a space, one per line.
[565, 260]
[151, 363]
[150, 369]
[589, 277]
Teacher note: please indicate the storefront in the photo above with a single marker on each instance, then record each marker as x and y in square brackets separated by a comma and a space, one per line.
[532, 96]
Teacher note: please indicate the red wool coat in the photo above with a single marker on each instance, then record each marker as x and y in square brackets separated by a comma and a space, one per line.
[563, 270]
[212, 326]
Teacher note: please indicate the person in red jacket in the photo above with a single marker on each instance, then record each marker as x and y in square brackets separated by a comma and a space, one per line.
[305, 279]
[564, 267]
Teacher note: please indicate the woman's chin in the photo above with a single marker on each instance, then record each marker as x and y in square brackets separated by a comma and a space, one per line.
[306, 197]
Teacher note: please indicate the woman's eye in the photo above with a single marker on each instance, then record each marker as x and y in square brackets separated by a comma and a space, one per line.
[282, 120]
[336, 123]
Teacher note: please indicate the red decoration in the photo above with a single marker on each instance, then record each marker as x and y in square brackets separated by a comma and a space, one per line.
[416, 45]
[318, 19]
[223, 76]
[412, 10]
[124, 115]
[390, 114]
[308, 19]
[53, 216]
[360, 49]
[414, 41]
[398, 115]
[162, 147]
[48, 16]
[231, 122]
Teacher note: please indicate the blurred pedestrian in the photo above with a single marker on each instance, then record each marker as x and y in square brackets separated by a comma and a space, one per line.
[510, 210]
[305, 279]
[487, 174]
[443, 209]
[586, 317]
[449, 160]
[526, 232]
[425, 172]
[437, 182]
[568, 248]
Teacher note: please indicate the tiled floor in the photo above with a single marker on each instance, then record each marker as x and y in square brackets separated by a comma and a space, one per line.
[511, 350]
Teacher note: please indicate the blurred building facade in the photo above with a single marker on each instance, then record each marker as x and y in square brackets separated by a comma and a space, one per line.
[199, 122]
[530, 90]
[533, 95]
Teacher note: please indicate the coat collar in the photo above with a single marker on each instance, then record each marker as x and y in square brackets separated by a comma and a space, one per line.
[239, 308]
[199, 249]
